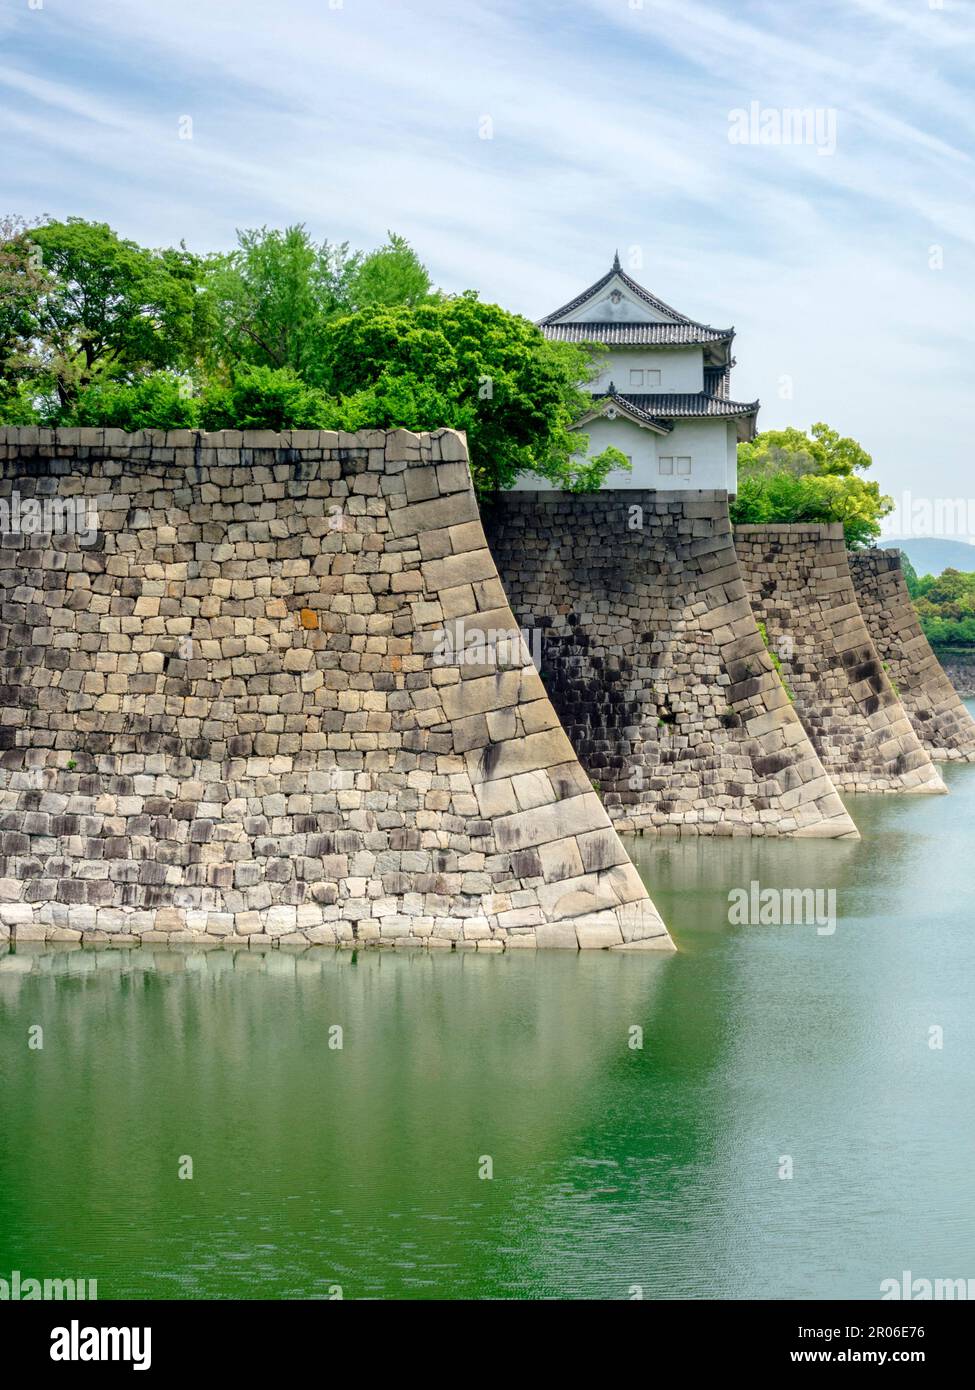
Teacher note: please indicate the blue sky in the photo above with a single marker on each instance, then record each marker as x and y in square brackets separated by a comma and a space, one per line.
[609, 123]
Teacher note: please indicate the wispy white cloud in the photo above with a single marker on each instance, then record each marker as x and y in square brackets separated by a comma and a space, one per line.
[610, 128]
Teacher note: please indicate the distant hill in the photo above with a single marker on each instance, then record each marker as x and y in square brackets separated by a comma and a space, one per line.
[931, 554]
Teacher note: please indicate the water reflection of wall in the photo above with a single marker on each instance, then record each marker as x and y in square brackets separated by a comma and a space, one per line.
[335, 1160]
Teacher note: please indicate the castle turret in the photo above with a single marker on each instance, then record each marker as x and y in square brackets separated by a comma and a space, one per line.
[662, 395]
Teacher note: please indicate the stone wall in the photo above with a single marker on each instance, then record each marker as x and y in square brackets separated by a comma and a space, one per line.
[959, 667]
[799, 582]
[652, 658]
[229, 711]
[940, 720]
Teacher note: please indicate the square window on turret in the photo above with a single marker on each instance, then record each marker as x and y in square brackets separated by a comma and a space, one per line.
[653, 378]
[636, 377]
[683, 465]
[666, 465]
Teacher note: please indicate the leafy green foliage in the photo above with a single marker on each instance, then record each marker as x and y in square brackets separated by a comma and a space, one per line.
[105, 310]
[788, 476]
[588, 475]
[276, 293]
[22, 281]
[282, 333]
[273, 297]
[391, 275]
[823, 450]
[159, 401]
[945, 604]
[254, 398]
[784, 498]
[776, 661]
[265, 398]
[469, 366]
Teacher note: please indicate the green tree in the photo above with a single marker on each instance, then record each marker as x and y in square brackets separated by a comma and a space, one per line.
[391, 275]
[107, 309]
[267, 398]
[22, 282]
[158, 401]
[839, 454]
[784, 498]
[276, 293]
[470, 366]
[274, 296]
[790, 476]
[945, 605]
[823, 450]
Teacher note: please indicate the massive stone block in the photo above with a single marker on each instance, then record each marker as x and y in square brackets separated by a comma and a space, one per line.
[941, 722]
[274, 695]
[799, 583]
[653, 660]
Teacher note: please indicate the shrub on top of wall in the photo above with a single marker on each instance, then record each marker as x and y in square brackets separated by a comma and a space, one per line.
[267, 398]
[159, 401]
[791, 477]
[254, 398]
[785, 499]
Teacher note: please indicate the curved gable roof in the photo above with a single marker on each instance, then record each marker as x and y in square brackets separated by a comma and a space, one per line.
[616, 271]
[658, 410]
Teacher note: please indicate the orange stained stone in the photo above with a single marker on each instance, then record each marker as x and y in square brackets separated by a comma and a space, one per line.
[309, 618]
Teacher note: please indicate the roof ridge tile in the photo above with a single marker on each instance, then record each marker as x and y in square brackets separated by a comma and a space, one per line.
[634, 287]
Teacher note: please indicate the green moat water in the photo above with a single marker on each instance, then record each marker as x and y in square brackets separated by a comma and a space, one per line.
[613, 1167]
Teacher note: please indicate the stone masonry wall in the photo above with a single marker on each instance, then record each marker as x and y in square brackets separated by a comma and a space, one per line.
[798, 579]
[229, 713]
[934, 707]
[959, 667]
[652, 658]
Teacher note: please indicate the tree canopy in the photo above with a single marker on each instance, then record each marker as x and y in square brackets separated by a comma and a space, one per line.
[282, 332]
[821, 451]
[945, 605]
[94, 307]
[472, 366]
[792, 476]
[391, 275]
[273, 296]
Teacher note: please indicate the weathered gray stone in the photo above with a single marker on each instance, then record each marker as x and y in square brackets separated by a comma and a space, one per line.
[940, 720]
[233, 721]
[798, 579]
[654, 662]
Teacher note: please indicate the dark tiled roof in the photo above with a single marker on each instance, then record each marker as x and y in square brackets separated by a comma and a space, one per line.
[635, 334]
[679, 320]
[717, 381]
[659, 407]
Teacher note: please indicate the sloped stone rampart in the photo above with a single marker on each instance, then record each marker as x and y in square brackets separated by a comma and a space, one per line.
[934, 707]
[799, 583]
[228, 711]
[653, 660]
